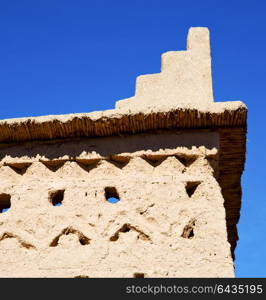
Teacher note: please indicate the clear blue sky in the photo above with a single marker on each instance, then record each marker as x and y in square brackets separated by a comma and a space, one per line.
[59, 57]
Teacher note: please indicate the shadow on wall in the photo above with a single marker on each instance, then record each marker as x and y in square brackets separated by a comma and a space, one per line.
[154, 141]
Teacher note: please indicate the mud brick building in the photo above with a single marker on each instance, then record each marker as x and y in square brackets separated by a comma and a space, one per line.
[170, 156]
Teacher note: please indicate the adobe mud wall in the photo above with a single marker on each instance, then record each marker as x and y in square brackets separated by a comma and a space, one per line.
[169, 222]
[170, 157]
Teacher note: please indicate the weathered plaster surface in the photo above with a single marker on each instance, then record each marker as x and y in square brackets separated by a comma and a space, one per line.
[150, 173]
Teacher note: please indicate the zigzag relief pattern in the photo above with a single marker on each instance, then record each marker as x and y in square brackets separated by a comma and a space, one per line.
[127, 228]
[23, 244]
[179, 162]
[19, 168]
[83, 240]
[54, 165]
[79, 237]
[72, 237]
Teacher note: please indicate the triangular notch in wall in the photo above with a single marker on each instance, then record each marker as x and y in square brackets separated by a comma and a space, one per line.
[19, 168]
[188, 160]
[154, 162]
[191, 187]
[54, 165]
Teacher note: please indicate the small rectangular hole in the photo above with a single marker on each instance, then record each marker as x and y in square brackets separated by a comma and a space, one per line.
[5, 202]
[56, 197]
